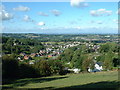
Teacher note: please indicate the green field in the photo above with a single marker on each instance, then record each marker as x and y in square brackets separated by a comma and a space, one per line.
[108, 79]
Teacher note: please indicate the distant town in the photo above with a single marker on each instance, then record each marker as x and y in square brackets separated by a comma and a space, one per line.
[56, 44]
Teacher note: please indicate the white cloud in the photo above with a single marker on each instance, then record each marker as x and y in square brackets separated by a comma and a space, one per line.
[55, 12]
[26, 18]
[21, 8]
[43, 14]
[41, 23]
[4, 15]
[78, 3]
[100, 12]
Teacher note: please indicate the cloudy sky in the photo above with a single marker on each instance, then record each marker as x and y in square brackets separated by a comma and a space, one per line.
[72, 17]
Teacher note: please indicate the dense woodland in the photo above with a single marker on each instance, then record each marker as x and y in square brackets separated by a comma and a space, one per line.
[11, 45]
[81, 56]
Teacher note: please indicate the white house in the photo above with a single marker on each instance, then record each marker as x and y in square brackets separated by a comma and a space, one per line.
[76, 70]
[98, 67]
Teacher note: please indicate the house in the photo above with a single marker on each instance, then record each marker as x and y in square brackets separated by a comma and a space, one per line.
[49, 56]
[26, 57]
[76, 70]
[98, 67]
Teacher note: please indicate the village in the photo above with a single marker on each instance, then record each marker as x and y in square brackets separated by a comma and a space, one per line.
[50, 51]
[32, 49]
[53, 50]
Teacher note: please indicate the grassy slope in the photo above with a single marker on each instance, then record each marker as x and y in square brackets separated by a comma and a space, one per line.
[89, 80]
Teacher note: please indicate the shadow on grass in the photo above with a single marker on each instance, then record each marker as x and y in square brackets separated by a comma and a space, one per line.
[105, 85]
[23, 82]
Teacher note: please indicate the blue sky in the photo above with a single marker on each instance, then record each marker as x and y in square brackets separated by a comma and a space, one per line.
[59, 17]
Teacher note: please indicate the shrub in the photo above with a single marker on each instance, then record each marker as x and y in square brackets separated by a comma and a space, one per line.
[56, 66]
[43, 68]
[10, 67]
[27, 71]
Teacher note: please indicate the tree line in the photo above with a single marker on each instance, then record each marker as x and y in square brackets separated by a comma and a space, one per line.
[16, 46]
[83, 57]
[13, 69]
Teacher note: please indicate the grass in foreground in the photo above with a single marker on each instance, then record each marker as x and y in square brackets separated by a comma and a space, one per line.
[85, 80]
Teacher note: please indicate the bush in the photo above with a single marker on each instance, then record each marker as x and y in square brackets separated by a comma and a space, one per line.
[56, 66]
[10, 67]
[43, 68]
[63, 72]
[27, 71]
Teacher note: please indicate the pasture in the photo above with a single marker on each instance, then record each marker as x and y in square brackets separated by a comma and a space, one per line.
[108, 79]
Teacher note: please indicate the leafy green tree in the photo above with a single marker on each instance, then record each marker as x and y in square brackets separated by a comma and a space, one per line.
[37, 48]
[43, 68]
[113, 47]
[109, 46]
[108, 60]
[84, 49]
[77, 60]
[87, 62]
[56, 66]
[104, 48]
[10, 67]
[100, 58]
[67, 55]
[116, 62]
[27, 71]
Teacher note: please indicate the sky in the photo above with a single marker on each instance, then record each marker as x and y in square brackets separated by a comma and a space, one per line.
[74, 17]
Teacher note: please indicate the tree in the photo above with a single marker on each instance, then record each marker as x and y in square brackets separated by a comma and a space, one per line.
[67, 55]
[77, 60]
[43, 68]
[108, 60]
[27, 71]
[37, 48]
[116, 62]
[87, 62]
[104, 48]
[10, 67]
[56, 66]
